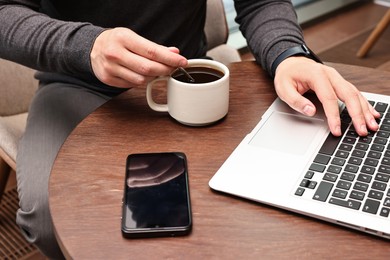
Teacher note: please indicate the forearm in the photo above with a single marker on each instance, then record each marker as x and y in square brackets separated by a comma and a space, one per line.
[40, 42]
[270, 27]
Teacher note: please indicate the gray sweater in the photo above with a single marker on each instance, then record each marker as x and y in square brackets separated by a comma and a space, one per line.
[57, 35]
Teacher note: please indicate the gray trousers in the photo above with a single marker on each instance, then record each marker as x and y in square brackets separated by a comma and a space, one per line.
[60, 103]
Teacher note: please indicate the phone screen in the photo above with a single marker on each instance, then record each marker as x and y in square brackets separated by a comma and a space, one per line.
[156, 198]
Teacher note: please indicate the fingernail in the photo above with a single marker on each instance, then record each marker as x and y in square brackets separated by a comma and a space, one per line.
[308, 110]
[337, 131]
[363, 128]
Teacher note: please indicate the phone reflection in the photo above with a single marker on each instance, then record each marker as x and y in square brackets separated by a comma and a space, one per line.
[156, 192]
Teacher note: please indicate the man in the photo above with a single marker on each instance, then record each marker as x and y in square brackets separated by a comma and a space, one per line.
[89, 51]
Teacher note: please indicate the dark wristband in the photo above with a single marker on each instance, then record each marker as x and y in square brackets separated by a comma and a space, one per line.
[301, 50]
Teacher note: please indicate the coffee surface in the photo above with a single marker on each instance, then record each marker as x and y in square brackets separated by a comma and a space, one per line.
[199, 74]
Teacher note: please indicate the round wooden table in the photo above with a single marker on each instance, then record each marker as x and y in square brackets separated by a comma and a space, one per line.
[87, 180]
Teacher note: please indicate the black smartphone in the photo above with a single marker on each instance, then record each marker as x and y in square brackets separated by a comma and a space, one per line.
[156, 199]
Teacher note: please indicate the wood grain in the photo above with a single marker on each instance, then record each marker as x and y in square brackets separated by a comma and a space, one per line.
[86, 185]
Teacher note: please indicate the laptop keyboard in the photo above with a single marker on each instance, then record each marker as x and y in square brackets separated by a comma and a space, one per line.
[354, 170]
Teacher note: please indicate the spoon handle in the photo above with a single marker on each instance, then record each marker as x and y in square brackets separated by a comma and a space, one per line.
[190, 78]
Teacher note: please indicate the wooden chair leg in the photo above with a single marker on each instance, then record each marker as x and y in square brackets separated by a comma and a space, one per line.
[374, 36]
[5, 170]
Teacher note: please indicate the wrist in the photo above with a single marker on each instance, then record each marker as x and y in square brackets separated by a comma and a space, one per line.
[301, 50]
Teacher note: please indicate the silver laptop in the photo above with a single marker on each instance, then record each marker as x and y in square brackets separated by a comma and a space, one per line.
[292, 162]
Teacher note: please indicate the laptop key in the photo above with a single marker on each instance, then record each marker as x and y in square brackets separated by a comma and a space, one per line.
[361, 186]
[384, 168]
[338, 161]
[367, 169]
[334, 169]
[322, 159]
[361, 146]
[375, 194]
[342, 154]
[371, 206]
[385, 128]
[382, 177]
[365, 139]
[317, 167]
[347, 176]
[309, 174]
[358, 153]
[352, 204]
[381, 107]
[332, 142]
[346, 185]
[364, 178]
[380, 140]
[386, 121]
[299, 191]
[383, 134]
[342, 194]
[371, 162]
[378, 186]
[357, 195]
[386, 161]
[323, 191]
[384, 212]
[386, 202]
[378, 147]
[330, 177]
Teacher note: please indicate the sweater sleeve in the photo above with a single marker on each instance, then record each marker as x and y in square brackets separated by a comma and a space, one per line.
[35, 40]
[269, 26]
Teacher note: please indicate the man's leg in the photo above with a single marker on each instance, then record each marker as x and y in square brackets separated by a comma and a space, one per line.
[55, 111]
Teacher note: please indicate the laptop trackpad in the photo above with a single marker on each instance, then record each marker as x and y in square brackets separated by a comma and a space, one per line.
[287, 133]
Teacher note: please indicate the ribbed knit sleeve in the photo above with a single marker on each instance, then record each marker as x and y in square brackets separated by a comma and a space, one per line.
[40, 42]
[269, 26]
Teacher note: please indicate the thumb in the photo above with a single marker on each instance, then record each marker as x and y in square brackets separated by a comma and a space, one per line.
[296, 101]
[308, 109]
[302, 105]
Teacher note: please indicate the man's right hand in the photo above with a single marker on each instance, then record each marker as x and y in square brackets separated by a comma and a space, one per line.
[122, 58]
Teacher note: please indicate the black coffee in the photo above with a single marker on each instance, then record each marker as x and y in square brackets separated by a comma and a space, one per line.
[199, 74]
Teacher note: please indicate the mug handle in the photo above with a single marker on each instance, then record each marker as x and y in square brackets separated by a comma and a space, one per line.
[149, 88]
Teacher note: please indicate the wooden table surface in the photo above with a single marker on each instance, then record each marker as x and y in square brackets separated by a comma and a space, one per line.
[86, 184]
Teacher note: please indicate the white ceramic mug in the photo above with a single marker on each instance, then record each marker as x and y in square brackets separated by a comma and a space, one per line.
[196, 104]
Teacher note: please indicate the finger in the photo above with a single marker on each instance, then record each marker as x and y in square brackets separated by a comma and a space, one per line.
[119, 76]
[328, 98]
[289, 94]
[133, 68]
[318, 82]
[155, 52]
[370, 115]
[174, 49]
[375, 113]
[144, 66]
[357, 105]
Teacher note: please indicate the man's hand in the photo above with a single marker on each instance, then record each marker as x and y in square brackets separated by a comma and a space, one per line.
[296, 75]
[122, 58]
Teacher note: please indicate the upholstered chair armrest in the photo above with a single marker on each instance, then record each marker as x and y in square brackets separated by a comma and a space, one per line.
[17, 86]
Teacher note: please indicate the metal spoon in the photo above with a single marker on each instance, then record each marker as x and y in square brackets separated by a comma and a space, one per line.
[191, 79]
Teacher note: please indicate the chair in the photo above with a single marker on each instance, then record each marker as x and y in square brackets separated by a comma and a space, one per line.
[17, 86]
[217, 33]
[374, 36]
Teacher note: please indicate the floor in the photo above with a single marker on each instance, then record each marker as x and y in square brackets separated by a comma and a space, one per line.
[12, 243]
